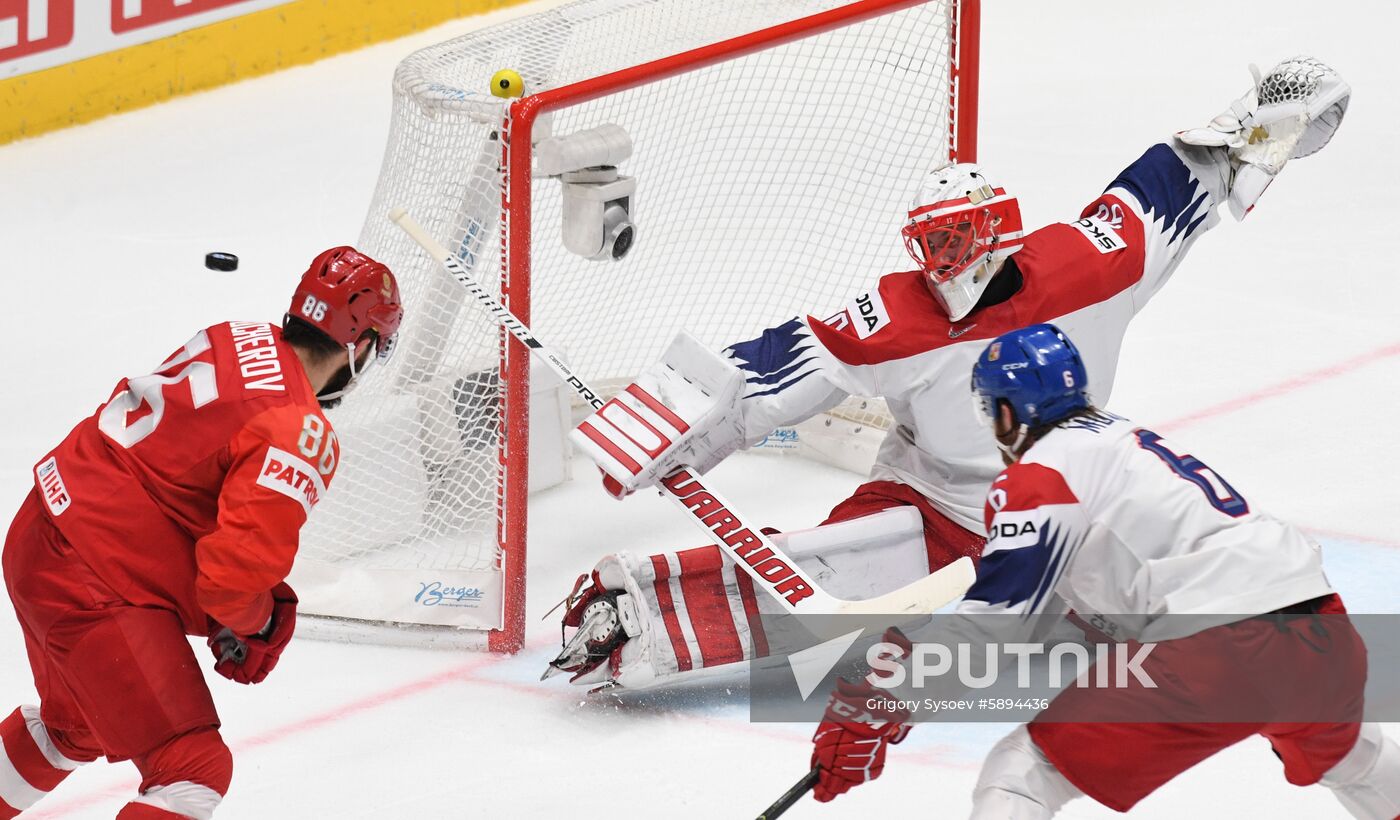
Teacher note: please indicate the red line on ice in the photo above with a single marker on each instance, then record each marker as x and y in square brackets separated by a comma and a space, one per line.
[1284, 387]
[461, 672]
[1354, 537]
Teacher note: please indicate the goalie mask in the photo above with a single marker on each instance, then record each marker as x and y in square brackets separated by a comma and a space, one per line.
[960, 226]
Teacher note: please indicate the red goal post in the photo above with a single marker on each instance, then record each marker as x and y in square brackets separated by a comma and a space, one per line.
[517, 130]
[718, 188]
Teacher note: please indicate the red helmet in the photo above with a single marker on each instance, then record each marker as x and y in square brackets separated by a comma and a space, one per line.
[345, 293]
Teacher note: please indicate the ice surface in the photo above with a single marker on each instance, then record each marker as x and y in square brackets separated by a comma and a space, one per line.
[1275, 354]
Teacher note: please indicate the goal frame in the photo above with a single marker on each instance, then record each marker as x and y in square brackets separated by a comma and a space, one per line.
[516, 196]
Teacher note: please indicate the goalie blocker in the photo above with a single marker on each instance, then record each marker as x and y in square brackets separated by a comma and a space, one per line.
[682, 412]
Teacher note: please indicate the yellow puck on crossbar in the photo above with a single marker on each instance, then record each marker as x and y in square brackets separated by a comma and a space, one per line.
[507, 83]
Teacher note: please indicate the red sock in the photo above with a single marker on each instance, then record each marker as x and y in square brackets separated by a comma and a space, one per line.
[187, 776]
[30, 767]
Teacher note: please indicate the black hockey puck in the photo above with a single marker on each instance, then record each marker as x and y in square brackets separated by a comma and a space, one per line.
[220, 261]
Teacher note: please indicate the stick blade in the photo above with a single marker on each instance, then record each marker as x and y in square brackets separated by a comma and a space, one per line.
[922, 597]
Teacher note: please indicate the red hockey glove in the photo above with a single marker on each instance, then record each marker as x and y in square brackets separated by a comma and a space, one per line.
[250, 659]
[860, 721]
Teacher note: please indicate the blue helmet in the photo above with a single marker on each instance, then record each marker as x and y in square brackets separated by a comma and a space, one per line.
[1037, 370]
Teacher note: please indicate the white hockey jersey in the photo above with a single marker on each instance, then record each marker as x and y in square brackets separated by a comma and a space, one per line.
[1089, 276]
[1113, 521]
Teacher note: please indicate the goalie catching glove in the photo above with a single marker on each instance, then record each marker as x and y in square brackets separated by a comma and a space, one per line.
[681, 412]
[1290, 112]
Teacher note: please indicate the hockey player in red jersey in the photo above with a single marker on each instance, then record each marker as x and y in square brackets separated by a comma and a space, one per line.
[174, 510]
[912, 341]
[1151, 546]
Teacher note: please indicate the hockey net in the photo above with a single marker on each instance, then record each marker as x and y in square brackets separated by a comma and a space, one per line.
[776, 144]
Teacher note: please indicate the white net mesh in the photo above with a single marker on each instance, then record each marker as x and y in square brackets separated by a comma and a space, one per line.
[768, 185]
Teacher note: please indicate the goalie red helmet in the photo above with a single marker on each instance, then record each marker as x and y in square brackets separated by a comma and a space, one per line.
[960, 225]
[345, 294]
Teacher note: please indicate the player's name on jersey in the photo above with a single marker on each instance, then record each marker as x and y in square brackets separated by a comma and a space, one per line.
[257, 356]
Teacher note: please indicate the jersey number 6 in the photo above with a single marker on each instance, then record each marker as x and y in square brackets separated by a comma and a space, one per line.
[1218, 491]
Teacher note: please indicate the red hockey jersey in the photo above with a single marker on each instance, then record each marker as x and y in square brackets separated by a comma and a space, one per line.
[188, 488]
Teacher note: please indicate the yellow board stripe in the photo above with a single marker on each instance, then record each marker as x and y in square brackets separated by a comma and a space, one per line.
[257, 43]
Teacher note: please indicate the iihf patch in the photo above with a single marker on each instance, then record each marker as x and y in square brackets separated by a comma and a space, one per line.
[51, 483]
[1100, 234]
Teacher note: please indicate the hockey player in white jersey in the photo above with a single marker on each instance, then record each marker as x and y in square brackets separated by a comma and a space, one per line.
[1147, 543]
[912, 340]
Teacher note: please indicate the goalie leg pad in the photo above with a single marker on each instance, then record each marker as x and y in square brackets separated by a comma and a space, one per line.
[945, 540]
[694, 610]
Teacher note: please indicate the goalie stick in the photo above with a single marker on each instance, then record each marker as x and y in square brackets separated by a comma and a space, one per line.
[746, 544]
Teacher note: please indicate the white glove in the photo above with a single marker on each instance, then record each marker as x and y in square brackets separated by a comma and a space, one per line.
[1291, 112]
[681, 412]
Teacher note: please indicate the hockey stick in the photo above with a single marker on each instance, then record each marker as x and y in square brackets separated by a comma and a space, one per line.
[791, 796]
[770, 567]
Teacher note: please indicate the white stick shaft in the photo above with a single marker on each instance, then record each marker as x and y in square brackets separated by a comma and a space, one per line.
[507, 319]
[746, 544]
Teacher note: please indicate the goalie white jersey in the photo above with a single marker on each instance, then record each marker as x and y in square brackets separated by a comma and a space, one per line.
[1089, 276]
[1113, 521]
